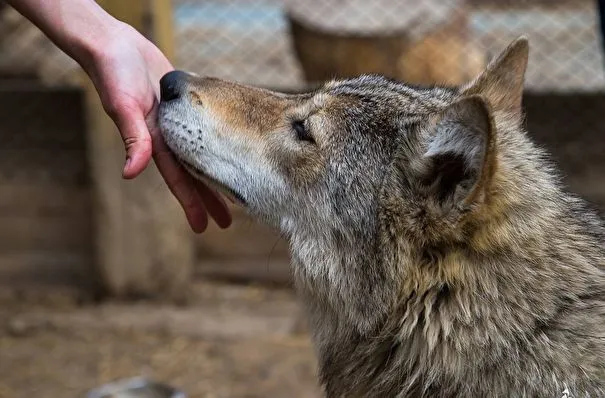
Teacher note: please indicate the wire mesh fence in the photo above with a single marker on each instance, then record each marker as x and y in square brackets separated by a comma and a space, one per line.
[290, 43]
[287, 43]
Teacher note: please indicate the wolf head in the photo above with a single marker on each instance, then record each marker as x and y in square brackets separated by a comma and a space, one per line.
[332, 167]
[317, 161]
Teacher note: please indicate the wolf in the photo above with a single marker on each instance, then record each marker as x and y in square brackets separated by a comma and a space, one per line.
[433, 245]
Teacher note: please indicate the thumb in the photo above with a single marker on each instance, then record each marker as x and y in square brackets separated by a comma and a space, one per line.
[137, 141]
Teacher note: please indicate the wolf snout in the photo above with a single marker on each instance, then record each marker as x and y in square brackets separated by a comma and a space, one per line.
[172, 85]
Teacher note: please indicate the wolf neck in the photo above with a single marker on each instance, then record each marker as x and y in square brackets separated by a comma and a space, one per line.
[388, 316]
[340, 275]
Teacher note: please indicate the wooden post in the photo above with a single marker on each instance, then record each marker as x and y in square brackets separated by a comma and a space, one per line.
[143, 244]
[163, 29]
[440, 52]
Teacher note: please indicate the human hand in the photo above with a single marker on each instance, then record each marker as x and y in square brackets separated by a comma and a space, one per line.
[126, 72]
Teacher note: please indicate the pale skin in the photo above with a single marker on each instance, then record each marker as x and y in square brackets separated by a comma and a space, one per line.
[126, 69]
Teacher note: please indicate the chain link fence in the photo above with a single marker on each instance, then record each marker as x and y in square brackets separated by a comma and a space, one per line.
[287, 43]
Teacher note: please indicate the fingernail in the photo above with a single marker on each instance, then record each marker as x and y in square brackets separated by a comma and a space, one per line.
[127, 165]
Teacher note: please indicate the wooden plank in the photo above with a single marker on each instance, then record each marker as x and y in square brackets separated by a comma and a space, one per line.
[48, 233]
[245, 239]
[26, 198]
[64, 168]
[44, 275]
[44, 202]
[42, 118]
[266, 271]
[50, 217]
[143, 244]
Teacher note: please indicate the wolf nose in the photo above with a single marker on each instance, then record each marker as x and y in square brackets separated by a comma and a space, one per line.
[172, 85]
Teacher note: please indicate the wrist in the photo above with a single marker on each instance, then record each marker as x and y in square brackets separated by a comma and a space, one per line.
[94, 46]
[81, 28]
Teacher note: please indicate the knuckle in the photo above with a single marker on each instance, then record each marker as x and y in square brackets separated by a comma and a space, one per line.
[129, 142]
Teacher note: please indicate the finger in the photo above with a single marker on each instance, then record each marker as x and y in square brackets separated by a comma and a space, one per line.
[137, 140]
[181, 184]
[215, 205]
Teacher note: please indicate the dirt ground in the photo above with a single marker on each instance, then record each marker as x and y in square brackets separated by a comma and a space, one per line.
[231, 341]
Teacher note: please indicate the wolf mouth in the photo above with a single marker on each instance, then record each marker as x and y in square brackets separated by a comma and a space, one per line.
[219, 186]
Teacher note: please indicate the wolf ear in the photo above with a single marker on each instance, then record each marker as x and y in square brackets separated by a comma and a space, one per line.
[460, 158]
[501, 83]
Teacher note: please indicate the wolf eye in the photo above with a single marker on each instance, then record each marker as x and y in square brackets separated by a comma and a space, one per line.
[301, 131]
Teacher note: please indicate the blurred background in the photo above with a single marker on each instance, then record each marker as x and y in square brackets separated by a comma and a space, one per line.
[101, 279]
